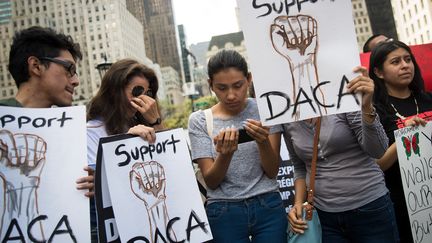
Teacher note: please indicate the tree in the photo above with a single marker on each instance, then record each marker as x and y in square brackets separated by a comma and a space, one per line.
[176, 116]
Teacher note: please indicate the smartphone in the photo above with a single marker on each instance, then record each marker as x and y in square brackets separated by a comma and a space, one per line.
[244, 136]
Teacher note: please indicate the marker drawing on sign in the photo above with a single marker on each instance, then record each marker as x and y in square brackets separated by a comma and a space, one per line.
[148, 183]
[22, 158]
[295, 38]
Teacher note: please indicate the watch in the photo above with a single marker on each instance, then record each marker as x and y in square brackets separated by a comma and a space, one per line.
[157, 122]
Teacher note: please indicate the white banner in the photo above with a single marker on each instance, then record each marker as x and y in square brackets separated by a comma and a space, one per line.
[43, 152]
[414, 149]
[301, 54]
[149, 191]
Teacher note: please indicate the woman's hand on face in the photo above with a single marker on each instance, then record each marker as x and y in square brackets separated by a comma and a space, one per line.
[147, 106]
[226, 141]
[362, 84]
[256, 130]
[297, 224]
[146, 133]
[415, 121]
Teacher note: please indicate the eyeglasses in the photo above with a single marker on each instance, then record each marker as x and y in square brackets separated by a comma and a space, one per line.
[139, 90]
[70, 67]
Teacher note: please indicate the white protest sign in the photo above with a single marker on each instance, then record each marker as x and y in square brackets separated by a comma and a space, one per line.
[414, 149]
[152, 189]
[43, 152]
[301, 54]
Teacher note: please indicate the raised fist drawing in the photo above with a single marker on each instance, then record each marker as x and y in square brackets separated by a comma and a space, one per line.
[148, 182]
[295, 38]
[22, 158]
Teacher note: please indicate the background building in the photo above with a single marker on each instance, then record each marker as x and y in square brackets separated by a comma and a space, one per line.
[157, 18]
[408, 21]
[362, 24]
[200, 52]
[185, 55]
[170, 87]
[231, 41]
[5, 11]
[413, 20]
[381, 17]
[103, 28]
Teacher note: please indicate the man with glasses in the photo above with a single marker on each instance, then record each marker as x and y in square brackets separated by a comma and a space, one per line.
[43, 65]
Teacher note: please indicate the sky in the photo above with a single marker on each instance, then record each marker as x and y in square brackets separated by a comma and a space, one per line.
[203, 19]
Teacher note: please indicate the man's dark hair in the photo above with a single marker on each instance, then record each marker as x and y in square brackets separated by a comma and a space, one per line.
[38, 42]
[366, 47]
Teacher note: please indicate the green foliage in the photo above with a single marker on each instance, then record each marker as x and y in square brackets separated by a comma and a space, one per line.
[176, 116]
[205, 102]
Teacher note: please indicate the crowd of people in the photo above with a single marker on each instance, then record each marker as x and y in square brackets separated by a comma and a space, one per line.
[358, 189]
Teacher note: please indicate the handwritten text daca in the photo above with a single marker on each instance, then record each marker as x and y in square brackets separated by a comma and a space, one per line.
[14, 233]
[194, 223]
[304, 99]
[267, 7]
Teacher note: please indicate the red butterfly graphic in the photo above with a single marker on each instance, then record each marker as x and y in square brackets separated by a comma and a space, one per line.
[411, 143]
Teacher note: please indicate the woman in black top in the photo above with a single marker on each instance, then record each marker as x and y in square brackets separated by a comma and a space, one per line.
[400, 100]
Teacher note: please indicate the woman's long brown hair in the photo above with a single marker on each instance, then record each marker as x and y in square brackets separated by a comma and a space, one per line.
[110, 104]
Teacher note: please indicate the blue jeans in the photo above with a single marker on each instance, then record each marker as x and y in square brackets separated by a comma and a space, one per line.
[257, 219]
[373, 222]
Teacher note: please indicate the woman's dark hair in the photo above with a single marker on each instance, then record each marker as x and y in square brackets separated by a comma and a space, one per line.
[226, 59]
[378, 56]
[111, 104]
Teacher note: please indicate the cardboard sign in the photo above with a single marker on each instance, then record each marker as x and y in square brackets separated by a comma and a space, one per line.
[291, 48]
[422, 54]
[285, 178]
[414, 149]
[42, 154]
[148, 192]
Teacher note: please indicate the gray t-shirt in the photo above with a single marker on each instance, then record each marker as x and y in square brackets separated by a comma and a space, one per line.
[245, 177]
[347, 176]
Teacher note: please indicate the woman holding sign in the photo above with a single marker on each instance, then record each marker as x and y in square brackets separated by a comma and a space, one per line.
[244, 204]
[125, 103]
[350, 195]
[401, 101]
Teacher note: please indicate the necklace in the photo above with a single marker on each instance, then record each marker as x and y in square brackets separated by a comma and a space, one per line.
[403, 117]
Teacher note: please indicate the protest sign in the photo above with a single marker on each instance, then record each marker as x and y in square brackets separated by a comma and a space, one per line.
[285, 178]
[42, 154]
[148, 192]
[301, 54]
[414, 149]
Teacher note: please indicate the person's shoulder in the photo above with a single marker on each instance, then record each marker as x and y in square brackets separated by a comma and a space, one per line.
[95, 126]
[12, 102]
[252, 102]
[426, 96]
[197, 119]
[95, 123]
[196, 115]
